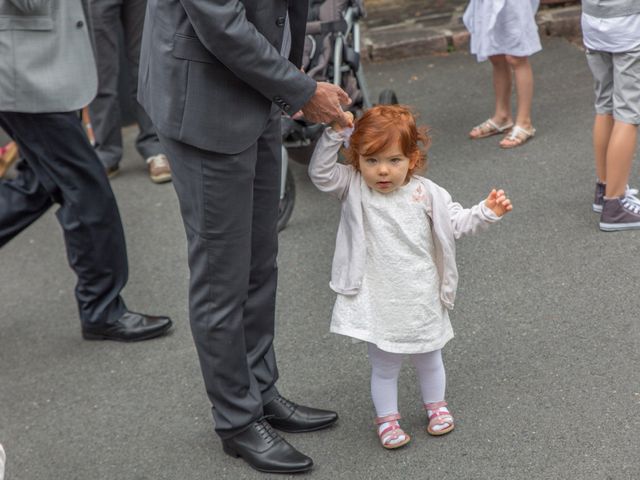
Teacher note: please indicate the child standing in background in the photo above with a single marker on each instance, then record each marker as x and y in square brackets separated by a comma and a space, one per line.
[611, 33]
[505, 32]
[394, 265]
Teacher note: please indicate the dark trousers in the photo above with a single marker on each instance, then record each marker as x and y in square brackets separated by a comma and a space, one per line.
[229, 206]
[109, 17]
[60, 166]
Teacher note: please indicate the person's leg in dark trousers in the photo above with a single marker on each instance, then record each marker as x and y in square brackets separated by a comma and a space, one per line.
[104, 110]
[109, 18]
[133, 11]
[62, 167]
[229, 205]
[22, 201]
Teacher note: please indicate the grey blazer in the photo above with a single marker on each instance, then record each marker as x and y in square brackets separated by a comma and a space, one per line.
[47, 56]
[210, 70]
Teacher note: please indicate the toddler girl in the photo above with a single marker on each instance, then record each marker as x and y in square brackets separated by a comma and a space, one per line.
[394, 265]
[505, 31]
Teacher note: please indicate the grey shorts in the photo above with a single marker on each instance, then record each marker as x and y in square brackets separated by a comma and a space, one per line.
[617, 84]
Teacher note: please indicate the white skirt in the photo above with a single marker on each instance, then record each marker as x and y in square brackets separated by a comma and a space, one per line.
[502, 27]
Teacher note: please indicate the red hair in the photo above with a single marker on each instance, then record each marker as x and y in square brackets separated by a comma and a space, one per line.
[382, 126]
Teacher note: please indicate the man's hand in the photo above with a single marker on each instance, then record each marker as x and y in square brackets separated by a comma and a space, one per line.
[325, 105]
[498, 202]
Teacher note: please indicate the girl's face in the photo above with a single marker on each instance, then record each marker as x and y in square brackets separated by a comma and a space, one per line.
[386, 170]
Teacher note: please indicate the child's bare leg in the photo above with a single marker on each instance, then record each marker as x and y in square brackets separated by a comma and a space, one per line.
[524, 88]
[502, 89]
[620, 152]
[602, 126]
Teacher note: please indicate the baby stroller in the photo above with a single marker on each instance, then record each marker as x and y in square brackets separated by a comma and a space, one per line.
[331, 54]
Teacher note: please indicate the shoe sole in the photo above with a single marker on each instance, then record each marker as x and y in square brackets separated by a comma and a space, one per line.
[395, 446]
[618, 227]
[437, 433]
[232, 453]
[149, 336]
[596, 208]
[313, 429]
[161, 178]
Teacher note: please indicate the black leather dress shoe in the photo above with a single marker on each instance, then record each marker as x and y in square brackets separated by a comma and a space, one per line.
[290, 417]
[130, 327]
[262, 448]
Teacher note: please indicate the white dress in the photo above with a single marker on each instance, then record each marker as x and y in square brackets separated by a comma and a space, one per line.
[398, 306]
[502, 27]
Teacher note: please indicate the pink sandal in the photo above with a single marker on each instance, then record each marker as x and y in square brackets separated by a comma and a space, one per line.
[438, 417]
[392, 432]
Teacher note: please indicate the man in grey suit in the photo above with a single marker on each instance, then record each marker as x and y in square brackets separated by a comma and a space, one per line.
[215, 76]
[47, 74]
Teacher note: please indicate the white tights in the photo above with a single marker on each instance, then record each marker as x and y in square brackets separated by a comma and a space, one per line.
[385, 370]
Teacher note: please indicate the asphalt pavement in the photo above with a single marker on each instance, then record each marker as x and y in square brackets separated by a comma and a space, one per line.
[543, 376]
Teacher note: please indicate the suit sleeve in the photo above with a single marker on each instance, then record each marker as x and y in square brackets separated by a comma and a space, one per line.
[223, 28]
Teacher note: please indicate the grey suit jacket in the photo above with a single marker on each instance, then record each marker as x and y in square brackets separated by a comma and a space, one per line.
[210, 70]
[47, 56]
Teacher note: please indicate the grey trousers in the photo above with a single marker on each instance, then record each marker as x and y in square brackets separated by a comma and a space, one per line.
[108, 18]
[229, 205]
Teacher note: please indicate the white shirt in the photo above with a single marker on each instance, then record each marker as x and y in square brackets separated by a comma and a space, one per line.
[616, 34]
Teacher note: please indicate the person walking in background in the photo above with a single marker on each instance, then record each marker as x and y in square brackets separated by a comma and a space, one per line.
[215, 78]
[394, 266]
[109, 18]
[611, 35]
[505, 32]
[49, 77]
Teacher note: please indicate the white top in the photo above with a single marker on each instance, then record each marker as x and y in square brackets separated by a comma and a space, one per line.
[615, 34]
[502, 27]
[398, 306]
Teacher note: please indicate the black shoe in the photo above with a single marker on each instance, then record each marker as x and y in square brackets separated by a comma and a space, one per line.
[130, 327]
[262, 448]
[290, 417]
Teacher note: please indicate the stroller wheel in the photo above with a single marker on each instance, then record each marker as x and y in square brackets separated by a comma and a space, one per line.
[387, 97]
[287, 200]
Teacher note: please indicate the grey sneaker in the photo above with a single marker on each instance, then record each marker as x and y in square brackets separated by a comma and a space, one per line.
[619, 214]
[159, 170]
[598, 200]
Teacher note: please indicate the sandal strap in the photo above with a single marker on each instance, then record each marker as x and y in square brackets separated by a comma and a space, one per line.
[435, 405]
[388, 418]
[489, 125]
[519, 133]
[439, 418]
[387, 436]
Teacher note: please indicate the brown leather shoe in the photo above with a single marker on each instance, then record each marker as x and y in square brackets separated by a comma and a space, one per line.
[159, 170]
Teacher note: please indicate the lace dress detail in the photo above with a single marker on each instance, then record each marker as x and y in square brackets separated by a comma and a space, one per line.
[398, 306]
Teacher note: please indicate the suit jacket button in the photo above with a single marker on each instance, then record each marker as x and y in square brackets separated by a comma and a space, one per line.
[280, 22]
[79, 24]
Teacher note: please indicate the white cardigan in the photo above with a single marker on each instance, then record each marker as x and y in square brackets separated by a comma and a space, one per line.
[450, 220]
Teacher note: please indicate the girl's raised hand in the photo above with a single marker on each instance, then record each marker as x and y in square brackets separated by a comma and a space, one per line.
[498, 202]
